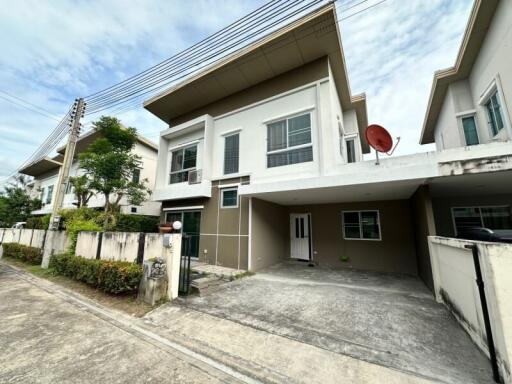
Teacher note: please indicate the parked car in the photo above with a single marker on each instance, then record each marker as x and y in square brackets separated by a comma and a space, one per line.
[486, 234]
[19, 225]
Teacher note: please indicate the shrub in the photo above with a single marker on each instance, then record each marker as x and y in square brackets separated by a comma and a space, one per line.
[136, 223]
[109, 276]
[81, 219]
[38, 222]
[24, 253]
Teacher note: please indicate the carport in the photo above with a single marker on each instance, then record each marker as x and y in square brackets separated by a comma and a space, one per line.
[386, 319]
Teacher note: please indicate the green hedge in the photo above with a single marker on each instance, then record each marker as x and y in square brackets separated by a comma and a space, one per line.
[24, 253]
[109, 276]
[38, 222]
[136, 223]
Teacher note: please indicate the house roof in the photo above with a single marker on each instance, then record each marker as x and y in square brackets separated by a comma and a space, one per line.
[90, 136]
[305, 40]
[47, 164]
[40, 167]
[474, 35]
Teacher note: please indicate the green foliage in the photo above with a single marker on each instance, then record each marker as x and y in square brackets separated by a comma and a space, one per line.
[81, 219]
[135, 223]
[15, 203]
[38, 222]
[344, 258]
[110, 164]
[109, 276]
[22, 252]
[82, 189]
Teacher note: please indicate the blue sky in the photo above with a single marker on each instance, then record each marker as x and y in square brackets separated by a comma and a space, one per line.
[55, 51]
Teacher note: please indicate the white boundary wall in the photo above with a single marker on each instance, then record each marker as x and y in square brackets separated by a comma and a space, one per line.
[455, 286]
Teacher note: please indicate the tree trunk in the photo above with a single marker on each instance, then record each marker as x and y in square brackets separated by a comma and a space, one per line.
[107, 202]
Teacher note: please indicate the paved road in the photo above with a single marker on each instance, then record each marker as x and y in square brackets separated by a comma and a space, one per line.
[45, 338]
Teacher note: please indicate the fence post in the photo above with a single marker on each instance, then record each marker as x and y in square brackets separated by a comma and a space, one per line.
[98, 249]
[140, 250]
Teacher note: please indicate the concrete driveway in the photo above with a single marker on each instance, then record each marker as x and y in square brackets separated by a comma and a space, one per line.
[389, 320]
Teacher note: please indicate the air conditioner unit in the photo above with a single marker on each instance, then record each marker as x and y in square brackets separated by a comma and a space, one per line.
[194, 177]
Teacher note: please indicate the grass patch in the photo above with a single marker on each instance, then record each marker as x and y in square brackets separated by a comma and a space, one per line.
[126, 303]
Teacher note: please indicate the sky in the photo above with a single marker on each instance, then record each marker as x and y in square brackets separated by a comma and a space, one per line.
[55, 51]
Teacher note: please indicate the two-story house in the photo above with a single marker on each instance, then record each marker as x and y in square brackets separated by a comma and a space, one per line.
[46, 171]
[470, 108]
[262, 160]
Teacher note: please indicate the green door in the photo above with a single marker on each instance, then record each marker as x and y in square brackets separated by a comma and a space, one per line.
[191, 224]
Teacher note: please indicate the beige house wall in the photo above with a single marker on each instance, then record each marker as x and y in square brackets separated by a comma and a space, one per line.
[270, 233]
[395, 252]
[224, 232]
[424, 226]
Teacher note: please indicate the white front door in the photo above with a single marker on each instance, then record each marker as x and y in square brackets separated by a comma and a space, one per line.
[299, 236]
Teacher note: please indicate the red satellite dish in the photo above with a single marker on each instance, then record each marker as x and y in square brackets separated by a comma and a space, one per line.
[380, 140]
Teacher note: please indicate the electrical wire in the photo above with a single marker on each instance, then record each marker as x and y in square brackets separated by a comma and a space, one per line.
[34, 108]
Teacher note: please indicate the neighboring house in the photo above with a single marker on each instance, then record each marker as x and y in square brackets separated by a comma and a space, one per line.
[471, 106]
[46, 171]
[263, 161]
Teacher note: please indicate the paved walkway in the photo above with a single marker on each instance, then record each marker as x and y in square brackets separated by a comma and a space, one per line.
[50, 335]
[389, 320]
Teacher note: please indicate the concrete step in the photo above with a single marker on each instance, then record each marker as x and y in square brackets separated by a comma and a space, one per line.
[206, 285]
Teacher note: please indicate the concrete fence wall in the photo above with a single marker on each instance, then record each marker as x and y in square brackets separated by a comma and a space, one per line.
[120, 246]
[455, 285]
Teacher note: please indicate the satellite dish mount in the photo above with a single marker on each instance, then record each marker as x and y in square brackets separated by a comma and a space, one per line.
[380, 140]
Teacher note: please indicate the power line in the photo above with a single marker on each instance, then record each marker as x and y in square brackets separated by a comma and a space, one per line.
[136, 99]
[35, 108]
[162, 75]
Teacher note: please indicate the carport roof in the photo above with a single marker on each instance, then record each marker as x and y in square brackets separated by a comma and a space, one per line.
[305, 40]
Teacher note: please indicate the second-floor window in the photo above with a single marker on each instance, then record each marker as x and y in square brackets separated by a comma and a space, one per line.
[136, 175]
[183, 161]
[351, 150]
[231, 153]
[494, 115]
[289, 141]
[49, 195]
[469, 128]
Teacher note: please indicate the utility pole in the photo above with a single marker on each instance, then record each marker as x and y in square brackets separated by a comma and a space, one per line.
[76, 115]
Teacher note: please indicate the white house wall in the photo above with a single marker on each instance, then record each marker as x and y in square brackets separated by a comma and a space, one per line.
[494, 60]
[492, 67]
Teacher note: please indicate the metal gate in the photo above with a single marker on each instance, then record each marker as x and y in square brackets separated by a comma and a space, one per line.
[184, 284]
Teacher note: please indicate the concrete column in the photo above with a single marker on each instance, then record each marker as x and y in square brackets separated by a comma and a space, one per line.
[47, 248]
[172, 255]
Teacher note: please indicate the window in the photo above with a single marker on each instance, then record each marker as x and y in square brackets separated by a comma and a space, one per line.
[229, 198]
[231, 153]
[134, 209]
[49, 195]
[492, 105]
[69, 188]
[183, 161]
[470, 133]
[42, 194]
[487, 217]
[136, 175]
[364, 225]
[289, 141]
[171, 217]
[351, 151]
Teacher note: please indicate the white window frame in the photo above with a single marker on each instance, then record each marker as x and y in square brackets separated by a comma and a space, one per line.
[222, 198]
[360, 225]
[495, 86]
[473, 207]
[287, 149]
[351, 138]
[182, 148]
[463, 115]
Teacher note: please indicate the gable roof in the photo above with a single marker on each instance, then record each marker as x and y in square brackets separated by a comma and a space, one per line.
[303, 41]
[474, 35]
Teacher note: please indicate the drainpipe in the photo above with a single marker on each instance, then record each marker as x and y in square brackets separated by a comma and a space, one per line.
[485, 312]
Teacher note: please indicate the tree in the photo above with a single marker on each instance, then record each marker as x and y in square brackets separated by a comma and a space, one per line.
[109, 164]
[82, 189]
[15, 203]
